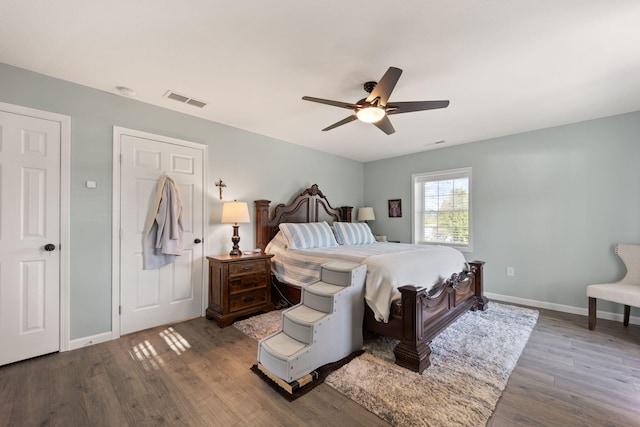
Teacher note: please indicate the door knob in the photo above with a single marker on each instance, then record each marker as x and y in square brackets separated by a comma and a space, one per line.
[197, 241]
[49, 247]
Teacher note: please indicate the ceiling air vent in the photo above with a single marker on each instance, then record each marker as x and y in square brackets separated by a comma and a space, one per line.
[184, 99]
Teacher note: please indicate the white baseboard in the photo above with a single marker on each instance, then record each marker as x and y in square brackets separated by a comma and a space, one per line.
[108, 336]
[87, 341]
[618, 317]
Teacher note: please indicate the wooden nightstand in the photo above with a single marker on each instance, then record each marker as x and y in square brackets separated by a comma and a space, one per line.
[238, 286]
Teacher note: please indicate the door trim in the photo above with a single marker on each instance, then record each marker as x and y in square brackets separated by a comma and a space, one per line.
[118, 132]
[65, 211]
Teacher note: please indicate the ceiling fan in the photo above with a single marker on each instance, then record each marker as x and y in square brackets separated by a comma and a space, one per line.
[374, 108]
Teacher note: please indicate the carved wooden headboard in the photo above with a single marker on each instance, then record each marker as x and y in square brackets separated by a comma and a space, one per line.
[309, 206]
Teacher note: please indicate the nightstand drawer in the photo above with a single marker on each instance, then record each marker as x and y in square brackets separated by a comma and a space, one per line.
[247, 299]
[244, 283]
[246, 267]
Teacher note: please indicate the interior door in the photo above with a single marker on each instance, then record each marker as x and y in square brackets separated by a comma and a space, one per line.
[29, 236]
[172, 293]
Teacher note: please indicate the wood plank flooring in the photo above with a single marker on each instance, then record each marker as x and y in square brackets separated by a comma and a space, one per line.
[196, 374]
[568, 375]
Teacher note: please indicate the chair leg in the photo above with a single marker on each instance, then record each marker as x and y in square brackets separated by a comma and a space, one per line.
[627, 311]
[592, 313]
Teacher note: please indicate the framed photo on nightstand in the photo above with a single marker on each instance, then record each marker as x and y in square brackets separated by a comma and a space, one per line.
[395, 208]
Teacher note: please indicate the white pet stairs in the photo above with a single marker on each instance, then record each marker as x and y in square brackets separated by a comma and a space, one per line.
[325, 327]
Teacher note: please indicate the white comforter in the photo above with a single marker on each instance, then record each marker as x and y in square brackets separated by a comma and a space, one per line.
[389, 266]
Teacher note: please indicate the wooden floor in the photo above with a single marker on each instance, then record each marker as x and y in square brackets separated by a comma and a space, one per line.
[568, 375]
[197, 374]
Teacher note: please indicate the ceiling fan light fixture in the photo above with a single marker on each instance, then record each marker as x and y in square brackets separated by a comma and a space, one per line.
[370, 114]
[374, 108]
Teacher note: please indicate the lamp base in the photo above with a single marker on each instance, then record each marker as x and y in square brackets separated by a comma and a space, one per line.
[235, 251]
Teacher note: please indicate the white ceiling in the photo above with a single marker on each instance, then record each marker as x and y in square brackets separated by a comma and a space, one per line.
[507, 66]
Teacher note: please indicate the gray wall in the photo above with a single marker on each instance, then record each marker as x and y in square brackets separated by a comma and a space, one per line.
[253, 167]
[550, 203]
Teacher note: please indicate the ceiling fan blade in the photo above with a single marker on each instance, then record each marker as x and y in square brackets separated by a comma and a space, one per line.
[385, 125]
[330, 102]
[385, 86]
[341, 122]
[407, 107]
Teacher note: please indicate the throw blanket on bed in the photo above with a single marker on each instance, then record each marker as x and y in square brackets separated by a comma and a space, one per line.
[389, 266]
[424, 266]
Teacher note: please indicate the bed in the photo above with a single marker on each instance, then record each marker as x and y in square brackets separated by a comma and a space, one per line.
[415, 314]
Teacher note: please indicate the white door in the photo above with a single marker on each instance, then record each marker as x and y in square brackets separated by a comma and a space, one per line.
[29, 236]
[172, 293]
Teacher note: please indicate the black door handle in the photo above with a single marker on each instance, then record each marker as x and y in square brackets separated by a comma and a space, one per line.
[197, 241]
[49, 247]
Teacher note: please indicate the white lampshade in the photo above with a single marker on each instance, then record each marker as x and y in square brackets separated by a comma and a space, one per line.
[366, 214]
[370, 114]
[235, 212]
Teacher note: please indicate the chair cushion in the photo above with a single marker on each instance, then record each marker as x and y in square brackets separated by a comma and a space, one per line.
[621, 293]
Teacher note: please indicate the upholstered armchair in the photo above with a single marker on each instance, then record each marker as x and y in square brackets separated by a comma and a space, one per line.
[626, 291]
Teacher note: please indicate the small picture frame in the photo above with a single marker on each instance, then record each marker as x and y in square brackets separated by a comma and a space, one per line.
[395, 208]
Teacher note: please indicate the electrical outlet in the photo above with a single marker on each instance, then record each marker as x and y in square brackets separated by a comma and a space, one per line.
[510, 271]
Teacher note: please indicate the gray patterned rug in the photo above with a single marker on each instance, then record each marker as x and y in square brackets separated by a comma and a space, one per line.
[470, 365]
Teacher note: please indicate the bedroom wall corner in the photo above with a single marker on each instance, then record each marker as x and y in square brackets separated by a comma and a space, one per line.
[551, 203]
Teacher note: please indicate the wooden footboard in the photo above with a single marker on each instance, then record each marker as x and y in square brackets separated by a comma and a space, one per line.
[422, 315]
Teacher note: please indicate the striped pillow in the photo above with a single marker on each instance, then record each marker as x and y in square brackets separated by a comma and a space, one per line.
[353, 233]
[308, 235]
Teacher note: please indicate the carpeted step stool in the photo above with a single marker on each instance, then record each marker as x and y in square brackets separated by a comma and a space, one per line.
[325, 327]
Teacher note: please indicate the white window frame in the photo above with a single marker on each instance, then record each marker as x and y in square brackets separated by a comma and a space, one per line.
[417, 199]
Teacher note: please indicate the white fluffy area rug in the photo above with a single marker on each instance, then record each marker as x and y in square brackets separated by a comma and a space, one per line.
[470, 365]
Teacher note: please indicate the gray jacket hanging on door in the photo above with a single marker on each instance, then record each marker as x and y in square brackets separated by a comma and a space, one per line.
[162, 236]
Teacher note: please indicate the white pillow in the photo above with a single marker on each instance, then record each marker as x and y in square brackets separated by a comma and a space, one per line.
[354, 233]
[308, 235]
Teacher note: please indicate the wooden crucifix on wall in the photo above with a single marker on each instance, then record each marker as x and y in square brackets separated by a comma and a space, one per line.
[220, 186]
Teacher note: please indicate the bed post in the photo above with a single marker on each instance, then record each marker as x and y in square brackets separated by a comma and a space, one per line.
[345, 213]
[482, 302]
[413, 351]
[262, 223]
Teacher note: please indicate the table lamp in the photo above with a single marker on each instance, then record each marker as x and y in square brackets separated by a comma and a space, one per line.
[366, 214]
[233, 213]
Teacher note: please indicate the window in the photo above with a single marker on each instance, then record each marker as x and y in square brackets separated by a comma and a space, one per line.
[442, 208]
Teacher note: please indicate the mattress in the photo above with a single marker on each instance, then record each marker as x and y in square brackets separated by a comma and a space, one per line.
[389, 266]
